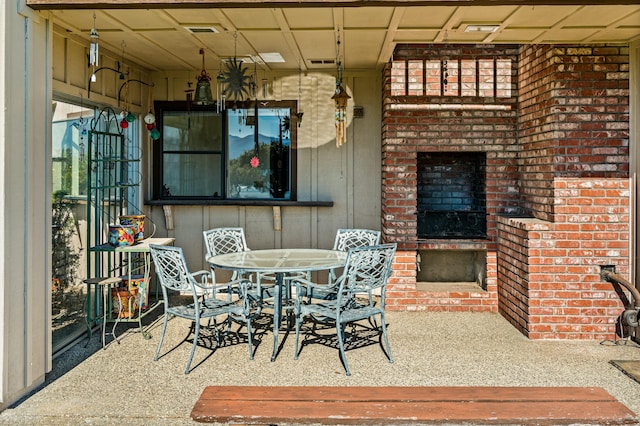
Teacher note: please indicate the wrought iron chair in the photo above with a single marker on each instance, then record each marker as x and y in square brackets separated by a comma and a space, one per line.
[351, 238]
[345, 239]
[232, 240]
[366, 269]
[172, 271]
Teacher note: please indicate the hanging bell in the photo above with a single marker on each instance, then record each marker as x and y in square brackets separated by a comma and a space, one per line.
[203, 95]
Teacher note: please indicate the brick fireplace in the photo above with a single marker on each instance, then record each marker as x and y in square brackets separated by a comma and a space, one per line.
[505, 182]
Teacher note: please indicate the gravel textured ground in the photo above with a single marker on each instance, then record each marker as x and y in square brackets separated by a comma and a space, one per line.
[123, 385]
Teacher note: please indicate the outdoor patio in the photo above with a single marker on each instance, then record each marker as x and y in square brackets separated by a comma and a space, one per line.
[122, 385]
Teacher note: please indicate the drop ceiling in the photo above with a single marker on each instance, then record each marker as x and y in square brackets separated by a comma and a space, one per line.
[306, 37]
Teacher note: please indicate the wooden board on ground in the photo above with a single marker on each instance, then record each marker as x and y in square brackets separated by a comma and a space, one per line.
[419, 405]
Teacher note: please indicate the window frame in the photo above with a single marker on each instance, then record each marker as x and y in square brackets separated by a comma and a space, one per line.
[158, 195]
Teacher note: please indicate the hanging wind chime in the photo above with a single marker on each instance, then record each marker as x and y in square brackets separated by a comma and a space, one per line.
[93, 49]
[340, 98]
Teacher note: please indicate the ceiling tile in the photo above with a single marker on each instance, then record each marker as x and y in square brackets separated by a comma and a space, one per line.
[539, 16]
[299, 17]
[261, 18]
[425, 17]
[370, 17]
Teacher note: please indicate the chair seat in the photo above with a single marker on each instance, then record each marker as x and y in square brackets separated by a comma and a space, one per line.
[207, 310]
[356, 311]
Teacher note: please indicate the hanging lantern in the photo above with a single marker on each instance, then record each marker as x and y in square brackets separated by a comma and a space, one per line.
[203, 95]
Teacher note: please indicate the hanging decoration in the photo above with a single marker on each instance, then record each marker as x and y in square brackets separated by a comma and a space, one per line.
[340, 98]
[94, 54]
[237, 83]
[126, 115]
[150, 120]
[188, 92]
[221, 96]
[203, 94]
[299, 112]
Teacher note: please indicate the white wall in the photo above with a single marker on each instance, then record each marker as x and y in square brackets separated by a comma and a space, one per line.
[25, 212]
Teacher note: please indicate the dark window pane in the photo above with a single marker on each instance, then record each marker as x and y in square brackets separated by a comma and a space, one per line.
[192, 131]
[193, 175]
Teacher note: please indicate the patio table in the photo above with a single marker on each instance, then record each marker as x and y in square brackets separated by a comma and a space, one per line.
[279, 262]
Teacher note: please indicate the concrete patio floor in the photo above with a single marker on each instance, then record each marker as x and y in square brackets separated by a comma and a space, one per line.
[123, 385]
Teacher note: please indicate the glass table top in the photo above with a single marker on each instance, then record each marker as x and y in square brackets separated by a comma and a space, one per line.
[280, 260]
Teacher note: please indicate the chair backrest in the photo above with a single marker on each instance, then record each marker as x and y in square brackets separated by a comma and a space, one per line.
[224, 240]
[171, 268]
[366, 269]
[350, 238]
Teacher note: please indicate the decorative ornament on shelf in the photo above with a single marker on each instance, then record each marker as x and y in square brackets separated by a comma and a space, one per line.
[341, 99]
[203, 94]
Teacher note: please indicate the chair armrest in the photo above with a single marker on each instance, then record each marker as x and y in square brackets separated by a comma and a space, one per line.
[306, 287]
[204, 282]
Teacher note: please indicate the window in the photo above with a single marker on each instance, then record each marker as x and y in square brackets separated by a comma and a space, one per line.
[69, 145]
[247, 152]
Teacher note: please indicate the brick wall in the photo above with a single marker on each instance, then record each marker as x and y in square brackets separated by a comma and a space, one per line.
[557, 157]
[549, 273]
[574, 106]
[573, 134]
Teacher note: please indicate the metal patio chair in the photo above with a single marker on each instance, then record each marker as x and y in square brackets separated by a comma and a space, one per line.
[174, 276]
[367, 269]
[346, 239]
[232, 240]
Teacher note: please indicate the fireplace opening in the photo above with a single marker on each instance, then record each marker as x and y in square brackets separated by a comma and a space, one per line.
[451, 195]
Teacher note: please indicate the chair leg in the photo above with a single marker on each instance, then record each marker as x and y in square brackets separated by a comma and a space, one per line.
[164, 329]
[386, 339]
[298, 321]
[340, 329]
[250, 338]
[195, 343]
